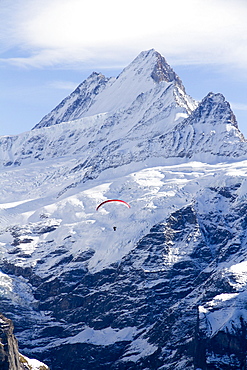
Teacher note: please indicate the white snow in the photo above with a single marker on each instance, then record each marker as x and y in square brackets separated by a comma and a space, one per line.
[153, 193]
[33, 364]
[139, 348]
[103, 337]
[239, 271]
[6, 285]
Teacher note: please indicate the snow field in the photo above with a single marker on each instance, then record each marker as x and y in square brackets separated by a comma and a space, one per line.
[153, 194]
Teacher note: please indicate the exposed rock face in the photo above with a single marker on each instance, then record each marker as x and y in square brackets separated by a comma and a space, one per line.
[10, 358]
[9, 354]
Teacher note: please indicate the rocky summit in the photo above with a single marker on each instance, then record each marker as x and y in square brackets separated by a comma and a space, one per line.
[158, 285]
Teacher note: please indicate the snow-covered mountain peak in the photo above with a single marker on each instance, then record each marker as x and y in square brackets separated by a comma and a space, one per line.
[144, 113]
[143, 75]
[147, 73]
[217, 106]
[94, 79]
[152, 64]
[77, 103]
[214, 122]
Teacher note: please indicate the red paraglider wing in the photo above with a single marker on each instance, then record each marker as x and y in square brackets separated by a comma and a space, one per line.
[112, 200]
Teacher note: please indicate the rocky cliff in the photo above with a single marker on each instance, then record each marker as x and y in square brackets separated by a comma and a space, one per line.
[10, 358]
[9, 354]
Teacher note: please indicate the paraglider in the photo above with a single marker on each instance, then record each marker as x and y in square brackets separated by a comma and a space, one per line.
[113, 200]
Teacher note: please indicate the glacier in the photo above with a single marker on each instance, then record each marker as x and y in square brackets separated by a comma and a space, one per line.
[166, 290]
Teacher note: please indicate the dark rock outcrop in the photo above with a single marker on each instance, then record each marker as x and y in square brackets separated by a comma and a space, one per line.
[9, 354]
[10, 358]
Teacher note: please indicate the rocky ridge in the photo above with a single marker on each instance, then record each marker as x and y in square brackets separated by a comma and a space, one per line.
[10, 358]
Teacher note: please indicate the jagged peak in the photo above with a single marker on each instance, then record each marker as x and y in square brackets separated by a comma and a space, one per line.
[157, 66]
[96, 74]
[94, 77]
[163, 71]
[80, 99]
[216, 106]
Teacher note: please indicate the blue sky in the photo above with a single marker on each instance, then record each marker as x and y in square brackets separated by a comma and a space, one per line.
[48, 47]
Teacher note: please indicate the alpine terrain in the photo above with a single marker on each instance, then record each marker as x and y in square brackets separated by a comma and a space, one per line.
[158, 285]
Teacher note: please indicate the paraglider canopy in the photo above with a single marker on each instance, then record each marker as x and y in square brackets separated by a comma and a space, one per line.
[113, 200]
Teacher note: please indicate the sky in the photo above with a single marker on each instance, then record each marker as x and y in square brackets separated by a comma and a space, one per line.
[48, 47]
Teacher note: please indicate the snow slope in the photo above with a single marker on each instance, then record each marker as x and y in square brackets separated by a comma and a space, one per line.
[53, 236]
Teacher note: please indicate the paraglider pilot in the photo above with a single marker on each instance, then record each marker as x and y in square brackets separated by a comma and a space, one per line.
[113, 200]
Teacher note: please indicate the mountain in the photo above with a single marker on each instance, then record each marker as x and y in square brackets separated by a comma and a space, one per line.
[165, 290]
[99, 94]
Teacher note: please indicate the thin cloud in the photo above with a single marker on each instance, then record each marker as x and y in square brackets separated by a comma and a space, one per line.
[61, 33]
[63, 85]
[239, 106]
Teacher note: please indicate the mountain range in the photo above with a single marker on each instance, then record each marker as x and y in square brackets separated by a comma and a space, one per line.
[160, 285]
